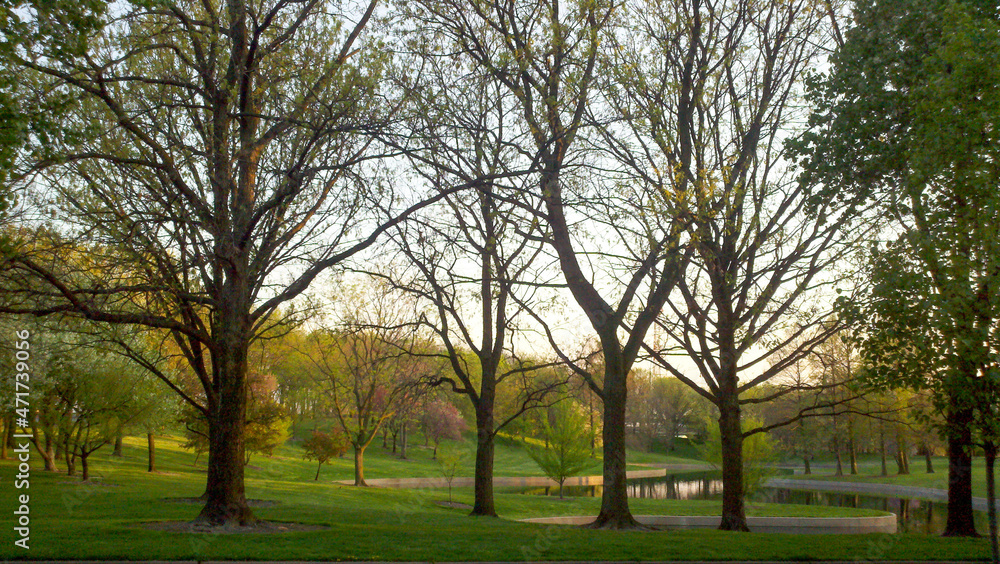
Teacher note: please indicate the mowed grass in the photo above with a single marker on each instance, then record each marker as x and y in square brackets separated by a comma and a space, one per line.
[871, 472]
[101, 520]
[510, 459]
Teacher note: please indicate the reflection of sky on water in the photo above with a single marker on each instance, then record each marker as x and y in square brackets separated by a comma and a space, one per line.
[914, 515]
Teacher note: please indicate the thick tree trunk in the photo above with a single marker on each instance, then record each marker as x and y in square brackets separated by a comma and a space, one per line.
[731, 432]
[45, 451]
[119, 440]
[614, 513]
[805, 462]
[359, 466]
[225, 496]
[151, 450]
[483, 487]
[85, 466]
[960, 522]
[928, 460]
[991, 498]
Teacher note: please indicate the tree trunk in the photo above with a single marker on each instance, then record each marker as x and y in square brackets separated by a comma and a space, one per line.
[118, 444]
[483, 487]
[900, 467]
[991, 498]
[928, 460]
[70, 464]
[840, 463]
[47, 453]
[881, 446]
[85, 466]
[959, 522]
[359, 466]
[805, 462]
[225, 496]
[151, 449]
[402, 441]
[318, 467]
[730, 431]
[902, 464]
[614, 513]
[852, 448]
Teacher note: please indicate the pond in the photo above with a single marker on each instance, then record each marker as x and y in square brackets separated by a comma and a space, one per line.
[914, 515]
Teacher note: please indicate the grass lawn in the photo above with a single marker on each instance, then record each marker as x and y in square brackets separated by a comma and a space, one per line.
[99, 520]
[870, 471]
[510, 459]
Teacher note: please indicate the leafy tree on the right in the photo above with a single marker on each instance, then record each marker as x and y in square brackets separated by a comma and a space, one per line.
[907, 117]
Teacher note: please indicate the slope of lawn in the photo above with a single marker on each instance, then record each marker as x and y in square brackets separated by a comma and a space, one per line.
[511, 459]
[99, 520]
[870, 471]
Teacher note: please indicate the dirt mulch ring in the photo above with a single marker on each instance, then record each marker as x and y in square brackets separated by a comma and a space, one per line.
[199, 501]
[264, 527]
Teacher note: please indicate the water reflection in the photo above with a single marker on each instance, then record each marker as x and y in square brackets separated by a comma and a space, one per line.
[914, 515]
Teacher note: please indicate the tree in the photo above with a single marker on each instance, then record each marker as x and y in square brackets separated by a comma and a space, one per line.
[321, 447]
[211, 184]
[917, 82]
[97, 393]
[449, 462]
[698, 101]
[473, 260]
[547, 58]
[442, 420]
[662, 407]
[265, 426]
[567, 450]
[366, 362]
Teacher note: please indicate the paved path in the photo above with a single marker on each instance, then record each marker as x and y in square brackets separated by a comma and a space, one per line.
[933, 494]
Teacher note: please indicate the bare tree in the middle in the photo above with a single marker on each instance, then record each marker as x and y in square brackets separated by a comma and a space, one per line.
[472, 260]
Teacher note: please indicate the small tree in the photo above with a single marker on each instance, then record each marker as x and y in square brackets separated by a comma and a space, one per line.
[268, 430]
[450, 461]
[567, 450]
[321, 447]
[442, 420]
